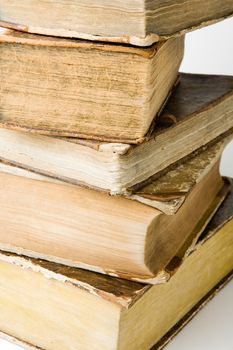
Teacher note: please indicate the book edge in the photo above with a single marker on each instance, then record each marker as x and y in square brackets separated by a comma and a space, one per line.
[168, 336]
[109, 144]
[22, 37]
[150, 39]
[124, 301]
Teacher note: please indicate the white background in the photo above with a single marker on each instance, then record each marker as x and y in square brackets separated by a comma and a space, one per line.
[210, 51]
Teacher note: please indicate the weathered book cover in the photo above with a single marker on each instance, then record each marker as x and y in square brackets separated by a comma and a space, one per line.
[166, 192]
[133, 22]
[167, 337]
[163, 309]
[75, 88]
[199, 112]
[109, 228]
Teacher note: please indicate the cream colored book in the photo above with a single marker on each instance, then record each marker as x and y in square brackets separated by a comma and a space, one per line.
[199, 111]
[77, 88]
[166, 192]
[52, 220]
[138, 22]
[52, 307]
[169, 335]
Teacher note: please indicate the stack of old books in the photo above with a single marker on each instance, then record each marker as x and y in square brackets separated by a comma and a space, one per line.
[115, 223]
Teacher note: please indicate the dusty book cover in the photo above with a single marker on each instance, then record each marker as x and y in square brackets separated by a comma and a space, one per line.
[134, 22]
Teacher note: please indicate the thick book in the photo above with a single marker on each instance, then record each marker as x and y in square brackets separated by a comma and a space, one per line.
[199, 110]
[75, 226]
[168, 336]
[137, 22]
[166, 192]
[82, 89]
[52, 307]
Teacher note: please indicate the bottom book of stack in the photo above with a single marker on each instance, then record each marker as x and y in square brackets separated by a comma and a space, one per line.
[49, 306]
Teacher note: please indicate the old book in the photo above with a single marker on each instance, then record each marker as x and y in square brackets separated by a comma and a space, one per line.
[200, 110]
[168, 336]
[166, 192]
[138, 22]
[82, 89]
[169, 191]
[52, 307]
[61, 222]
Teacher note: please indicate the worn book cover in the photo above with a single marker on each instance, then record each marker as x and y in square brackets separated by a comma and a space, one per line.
[75, 88]
[137, 22]
[199, 112]
[60, 222]
[52, 307]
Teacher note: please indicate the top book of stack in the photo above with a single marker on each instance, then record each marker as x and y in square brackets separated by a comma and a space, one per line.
[137, 22]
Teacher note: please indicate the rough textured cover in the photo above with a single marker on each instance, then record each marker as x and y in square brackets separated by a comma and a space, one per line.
[169, 191]
[197, 91]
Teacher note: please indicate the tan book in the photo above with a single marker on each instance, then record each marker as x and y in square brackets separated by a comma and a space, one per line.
[166, 192]
[169, 335]
[52, 220]
[199, 110]
[77, 88]
[53, 307]
[169, 191]
[137, 22]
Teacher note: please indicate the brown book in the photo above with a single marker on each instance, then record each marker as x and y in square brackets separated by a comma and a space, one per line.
[52, 220]
[76, 88]
[199, 110]
[138, 22]
[52, 307]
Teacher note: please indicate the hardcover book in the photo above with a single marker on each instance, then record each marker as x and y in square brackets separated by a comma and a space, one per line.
[50, 219]
[138, 22]
[199, 111]
[52, 307]
[77, 88]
